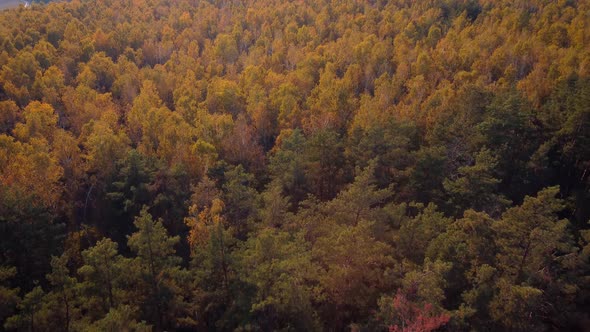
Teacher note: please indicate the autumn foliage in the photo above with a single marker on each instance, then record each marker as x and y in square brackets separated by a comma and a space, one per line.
[412, 318]
[272, 165]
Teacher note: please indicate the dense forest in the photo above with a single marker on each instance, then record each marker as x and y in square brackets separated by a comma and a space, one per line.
[266, 165]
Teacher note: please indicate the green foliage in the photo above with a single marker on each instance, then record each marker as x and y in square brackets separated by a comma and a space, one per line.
[8, 295]
[324, 160]
[159, 273]
[274, 211]
[390, 143]
[240, 198]
[469, 244]
[415, 233]
[427, 174]
[218, 294]
[30, 235]
[351, 276]
[532, 235]
[476, 187]
[60, 301]
[360, 200]
[129, 191]
[103, 276]
[30, 315]
[120, 319]
[514, 305]
[509, 133]
[279, 266]
[8, 115]
[287, 164]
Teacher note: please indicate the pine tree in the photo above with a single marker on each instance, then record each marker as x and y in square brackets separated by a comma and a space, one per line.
[159, 272]
[8, 295]
[62, 299]
[103, 275]
[476, 187]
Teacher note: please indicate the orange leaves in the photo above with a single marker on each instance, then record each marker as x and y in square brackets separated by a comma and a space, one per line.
[29, 170]
[412, 318]
[83, 105]
[200, 222]
[40, 122]
[157, 131]
[104, 145]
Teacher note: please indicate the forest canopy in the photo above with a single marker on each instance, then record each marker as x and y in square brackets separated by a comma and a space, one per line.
[262, 165]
